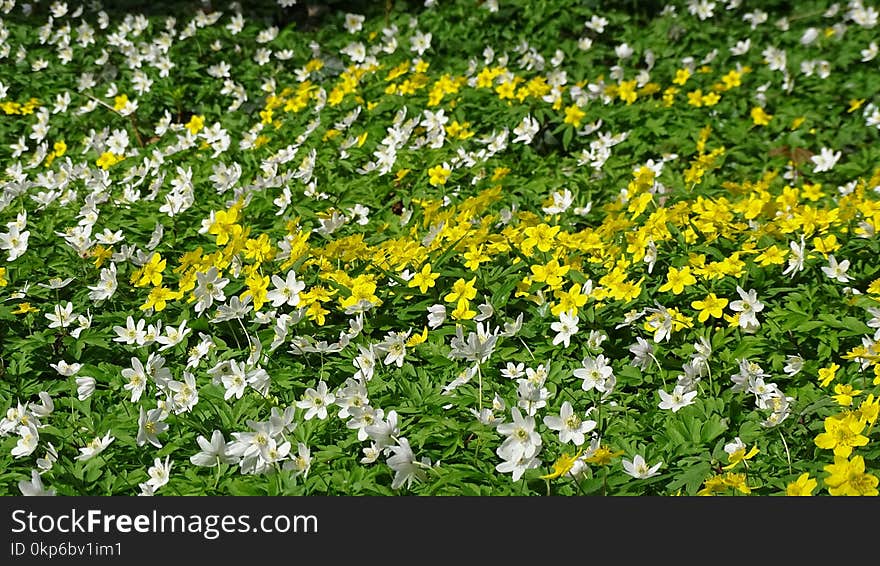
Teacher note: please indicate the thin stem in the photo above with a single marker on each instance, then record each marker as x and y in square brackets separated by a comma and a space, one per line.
[526, 347]
[659, 370]
[787, 453]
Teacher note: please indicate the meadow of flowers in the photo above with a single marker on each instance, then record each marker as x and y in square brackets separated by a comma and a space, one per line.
[497, 247]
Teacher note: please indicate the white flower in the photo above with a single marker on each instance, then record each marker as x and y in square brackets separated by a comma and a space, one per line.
[62, 316]
[594, 373]
[796, 258]
[514, 371]
[66, 369]
[15, 242]
[159, 473]
[837, 271]
[27, 442]
[642, 351]
[34, 487]
[677, 399]
[235, 381]
[596, 23]
[570, 426]
[826, 160]
[150, 426]
[526, 130]
[302, 462]
[353, 22]
[436, 315]
[213, 453]
[137, 379]
[639, 469]
[316, 401]
[286, 291]
[85, 386]
[566, 327]
[793, 365]
[420, 42]
[623, 51]
[747, 308]
[173, 336]
[132, 333]
[522, 441]
[403, 462]
[95, 447]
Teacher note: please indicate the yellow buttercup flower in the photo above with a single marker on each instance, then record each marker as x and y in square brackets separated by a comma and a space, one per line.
[562, 466]
[710, 306]
[803, 486]
[424, 279]
[462, 289]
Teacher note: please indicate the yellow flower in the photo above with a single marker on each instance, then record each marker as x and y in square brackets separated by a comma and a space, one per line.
[101, 254]
[803, 486]
[474, 256]
[771, 256]
[627, 91]
[844, 394]
[695, 98]
[713, 485]
[740, 455]
[828, 374]
[759, 117]
[570, 300]
[25, 308]
[224, 225]
[119, 102]
[711, 99]
[107, 160]
[562, 466]
[417, 339]
[848, 477]
[3, 280]
[438, 175]
[551, 274]
[195, 124]
[737, 482]
[259, 249]
[826, 245]
[463, 311]
[316, 313]
[603, 455]
[710, 306]
[462, 289]
[574, 115]
[677, 280]
[60, 148]
[855, 104]
[732, 79]
[158, 298]
[151, 272]
[542, 236]
[681, 77]
[842, 434]
[424, 279]
[869, 410]
[257, 288]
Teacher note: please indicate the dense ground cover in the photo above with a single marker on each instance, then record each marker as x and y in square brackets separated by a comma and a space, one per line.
[491, 248]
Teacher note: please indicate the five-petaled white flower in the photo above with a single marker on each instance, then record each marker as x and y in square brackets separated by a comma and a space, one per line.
[570, 426]
[565, 327]
[677, 399]
[826, 160]
[837, 271]
[639, 469]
